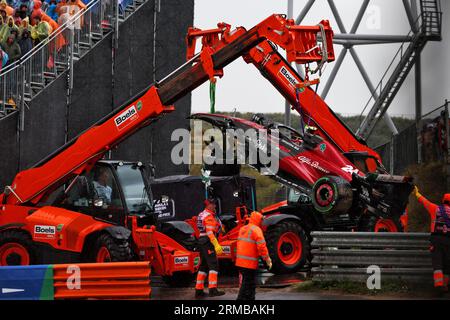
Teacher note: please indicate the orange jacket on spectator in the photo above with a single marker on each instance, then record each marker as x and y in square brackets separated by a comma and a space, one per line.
[37, 11]
[50, 21]
[4, 6]
[67, 9]
[69, 3]
[251, 243]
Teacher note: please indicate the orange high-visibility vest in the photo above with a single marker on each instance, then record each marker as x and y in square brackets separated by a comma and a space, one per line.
[208, 224]
[440, 216]
[250, 246]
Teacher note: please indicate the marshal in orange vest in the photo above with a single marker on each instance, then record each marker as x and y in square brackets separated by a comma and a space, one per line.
[251, 244]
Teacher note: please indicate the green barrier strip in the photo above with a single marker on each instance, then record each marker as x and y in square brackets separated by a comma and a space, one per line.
[48, 291]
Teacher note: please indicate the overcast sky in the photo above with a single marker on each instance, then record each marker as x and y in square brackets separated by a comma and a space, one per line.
[245, 89]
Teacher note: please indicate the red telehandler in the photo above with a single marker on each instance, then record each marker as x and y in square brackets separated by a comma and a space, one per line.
[336, 181]
[74, 206]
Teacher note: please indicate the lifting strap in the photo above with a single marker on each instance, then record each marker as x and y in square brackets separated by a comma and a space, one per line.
[212, 95]
[297, 101]
[299, 90]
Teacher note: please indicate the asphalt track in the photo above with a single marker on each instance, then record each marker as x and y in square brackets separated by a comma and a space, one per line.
[273, 287]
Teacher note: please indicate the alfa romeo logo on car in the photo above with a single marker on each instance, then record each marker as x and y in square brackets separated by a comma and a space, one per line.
[322, 147]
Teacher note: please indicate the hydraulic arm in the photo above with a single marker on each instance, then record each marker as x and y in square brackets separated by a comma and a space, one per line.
[308, 103]
[297, 91]
[220, 47]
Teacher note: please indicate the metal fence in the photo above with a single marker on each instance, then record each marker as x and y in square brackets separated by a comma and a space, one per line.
[424, 142]
[22, 80]
[339, 256]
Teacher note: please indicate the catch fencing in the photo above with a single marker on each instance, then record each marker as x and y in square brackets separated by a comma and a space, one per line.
[424, 142]
[340, 256]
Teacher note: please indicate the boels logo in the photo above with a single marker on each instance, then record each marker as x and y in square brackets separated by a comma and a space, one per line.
[288, 76]
[44, 231]
[226, 249]
[126, 117]
[181, 260]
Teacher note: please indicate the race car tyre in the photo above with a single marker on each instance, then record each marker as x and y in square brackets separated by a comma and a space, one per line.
[288, 246]
[109, 249]
[332, 194]
[16, 248]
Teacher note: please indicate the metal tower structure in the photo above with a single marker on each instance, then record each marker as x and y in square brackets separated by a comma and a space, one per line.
[424, 17]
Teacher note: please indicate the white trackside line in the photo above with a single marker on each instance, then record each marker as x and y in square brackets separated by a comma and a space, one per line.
[10, 290]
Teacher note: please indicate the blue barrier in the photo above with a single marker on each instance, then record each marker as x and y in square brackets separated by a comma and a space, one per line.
[26, 282]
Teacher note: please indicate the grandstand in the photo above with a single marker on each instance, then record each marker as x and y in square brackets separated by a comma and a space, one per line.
[110, 52]
[75, 28]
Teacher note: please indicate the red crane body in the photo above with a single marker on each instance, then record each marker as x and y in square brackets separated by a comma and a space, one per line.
[310, 106]
[365, 203]
[90, 146]
[29, 217]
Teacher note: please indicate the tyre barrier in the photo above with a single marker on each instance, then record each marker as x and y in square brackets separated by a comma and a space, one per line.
[353, 256]
[116, 280]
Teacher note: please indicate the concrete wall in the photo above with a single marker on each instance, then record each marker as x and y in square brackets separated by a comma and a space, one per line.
[9, 160]
[98, 90]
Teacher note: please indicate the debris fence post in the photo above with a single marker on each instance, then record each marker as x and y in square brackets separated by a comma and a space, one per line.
[392, 154]
[447, 154]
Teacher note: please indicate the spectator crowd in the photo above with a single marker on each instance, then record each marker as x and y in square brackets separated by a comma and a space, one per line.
[25, 23]
[434, 139]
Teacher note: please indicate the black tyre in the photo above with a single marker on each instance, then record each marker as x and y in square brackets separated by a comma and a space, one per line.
[190, 243]
[288, 246]
[180, 279]
[186, 239]
[108, 249]
[16, 248]
[332, 195]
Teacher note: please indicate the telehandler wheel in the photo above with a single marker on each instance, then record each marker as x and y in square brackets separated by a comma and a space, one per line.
[16, 248]
[377, 224]
[181, 279]
[288, 247]
[109, 249]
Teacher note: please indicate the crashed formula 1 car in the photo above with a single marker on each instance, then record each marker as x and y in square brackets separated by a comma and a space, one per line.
[329, 190]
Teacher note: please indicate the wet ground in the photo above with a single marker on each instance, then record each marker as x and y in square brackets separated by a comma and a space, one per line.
[264, 279]
[162, 293]
[271, 287]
